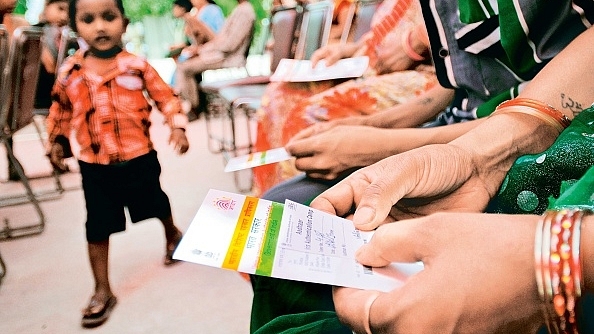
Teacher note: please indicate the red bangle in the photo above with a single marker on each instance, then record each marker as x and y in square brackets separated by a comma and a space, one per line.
[410, 52]
[537, 109]
[558, 268]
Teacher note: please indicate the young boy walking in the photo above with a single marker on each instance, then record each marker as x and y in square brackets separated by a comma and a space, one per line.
[99, 96]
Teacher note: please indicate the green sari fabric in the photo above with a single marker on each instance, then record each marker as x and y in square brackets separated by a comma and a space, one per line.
[534, 178]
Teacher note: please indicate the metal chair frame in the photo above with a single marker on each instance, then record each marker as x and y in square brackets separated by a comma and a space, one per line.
[311, 25]
[363, 16]
[19, 81]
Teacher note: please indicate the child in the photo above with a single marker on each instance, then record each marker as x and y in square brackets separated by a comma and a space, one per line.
[53, 18]
[99, 96]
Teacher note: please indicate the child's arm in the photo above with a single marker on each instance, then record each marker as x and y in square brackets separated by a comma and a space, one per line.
[179, 140]
[58, 128]
[170, 106]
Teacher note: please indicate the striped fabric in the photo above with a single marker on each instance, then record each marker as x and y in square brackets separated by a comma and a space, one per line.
[489, 48]
[109, 114]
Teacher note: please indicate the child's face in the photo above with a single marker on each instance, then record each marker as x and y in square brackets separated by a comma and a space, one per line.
[56, 13]
[100, 23]
[178, 11]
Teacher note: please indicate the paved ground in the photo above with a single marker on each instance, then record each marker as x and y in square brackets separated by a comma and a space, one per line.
[48, 278]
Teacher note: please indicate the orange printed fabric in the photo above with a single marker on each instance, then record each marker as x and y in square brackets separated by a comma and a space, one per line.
[109, 114]
[288, 108]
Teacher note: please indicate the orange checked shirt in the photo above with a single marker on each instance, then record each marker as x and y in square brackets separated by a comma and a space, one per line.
[109, 114]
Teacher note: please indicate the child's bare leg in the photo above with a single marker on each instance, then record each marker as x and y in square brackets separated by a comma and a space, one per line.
[103, 299]
[98, 256]
[173, 236]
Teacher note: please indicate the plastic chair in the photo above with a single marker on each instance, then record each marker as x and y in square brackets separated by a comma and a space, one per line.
[19, 82]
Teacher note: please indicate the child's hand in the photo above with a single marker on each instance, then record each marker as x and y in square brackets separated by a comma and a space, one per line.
[56, 156]
[179, 140]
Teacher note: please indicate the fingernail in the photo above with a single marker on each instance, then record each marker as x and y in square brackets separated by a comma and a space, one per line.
[364, 215]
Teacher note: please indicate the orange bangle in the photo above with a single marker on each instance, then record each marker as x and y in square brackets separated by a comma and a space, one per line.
[410, 52]
[536, 108]
[558, 268]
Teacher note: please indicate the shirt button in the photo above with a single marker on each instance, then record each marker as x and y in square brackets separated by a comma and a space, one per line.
[443, 52]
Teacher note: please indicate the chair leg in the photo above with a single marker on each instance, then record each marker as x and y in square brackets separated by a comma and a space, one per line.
[2, 269]
[32, 228]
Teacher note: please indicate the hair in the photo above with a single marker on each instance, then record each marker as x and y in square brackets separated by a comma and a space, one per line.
[186, 4]
[49, 2]
[72, 12]
[211, 2]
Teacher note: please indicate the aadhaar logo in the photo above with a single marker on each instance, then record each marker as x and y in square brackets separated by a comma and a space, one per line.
[224, 203]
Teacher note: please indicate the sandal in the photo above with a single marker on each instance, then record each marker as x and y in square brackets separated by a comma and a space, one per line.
[90, 319]
[170, 249]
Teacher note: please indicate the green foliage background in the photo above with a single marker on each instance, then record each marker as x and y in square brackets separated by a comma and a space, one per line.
[137, 9]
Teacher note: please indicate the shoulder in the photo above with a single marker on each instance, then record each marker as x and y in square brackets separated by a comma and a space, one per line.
[213, 9]
[128, 61]
[72, 63]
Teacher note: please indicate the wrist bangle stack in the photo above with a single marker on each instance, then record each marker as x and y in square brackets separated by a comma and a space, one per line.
[408, 49]
[537, 109]
[558, 268]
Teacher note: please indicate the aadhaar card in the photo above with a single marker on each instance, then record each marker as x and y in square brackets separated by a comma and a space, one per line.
[257, 159]
[289, 241]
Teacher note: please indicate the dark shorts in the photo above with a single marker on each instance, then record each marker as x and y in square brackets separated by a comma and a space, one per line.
[108, 189]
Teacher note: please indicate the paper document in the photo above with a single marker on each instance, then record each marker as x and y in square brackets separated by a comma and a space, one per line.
[289, 241]
[292, 70]
[257, 159]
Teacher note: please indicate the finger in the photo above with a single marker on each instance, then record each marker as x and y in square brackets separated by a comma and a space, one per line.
[402, 241]
[305, 133]
[300, 148]
[319, 55]
[389, 180]
[353, 306]
[338, 200]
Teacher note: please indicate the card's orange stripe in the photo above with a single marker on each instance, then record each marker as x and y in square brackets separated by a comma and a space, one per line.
[242, 230]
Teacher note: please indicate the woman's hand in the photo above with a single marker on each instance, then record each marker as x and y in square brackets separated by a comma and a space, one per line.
[415, 183]
[333, 53]
[478, 277]
[325, 151]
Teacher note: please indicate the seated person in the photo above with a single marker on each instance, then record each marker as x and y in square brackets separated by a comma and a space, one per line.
[53, 18]
[470, 98]
[227, 49]
[392, 79]
[203, 19]
[179, 9]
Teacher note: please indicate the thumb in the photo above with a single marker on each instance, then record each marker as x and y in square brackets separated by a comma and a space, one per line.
[401, 241]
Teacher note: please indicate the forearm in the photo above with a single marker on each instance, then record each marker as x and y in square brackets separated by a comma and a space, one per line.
[506, 136]
[414, 112]
[199, 28]
[563, 83]
[411, 138]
